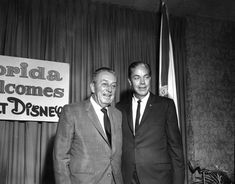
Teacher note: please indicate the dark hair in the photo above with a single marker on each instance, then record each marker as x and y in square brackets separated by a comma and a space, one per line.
[138, 63]
[99, 70]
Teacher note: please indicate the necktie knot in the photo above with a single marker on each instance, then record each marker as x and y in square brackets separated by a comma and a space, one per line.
[104, 110]
[139, 101]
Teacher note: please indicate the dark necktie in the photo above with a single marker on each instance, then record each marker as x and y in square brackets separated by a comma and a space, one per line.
[107, 125]
[137, 119]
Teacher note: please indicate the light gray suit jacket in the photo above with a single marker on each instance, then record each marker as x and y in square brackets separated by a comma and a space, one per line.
[81, 153]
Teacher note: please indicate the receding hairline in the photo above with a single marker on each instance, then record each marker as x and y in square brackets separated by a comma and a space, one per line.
[135, 64]
[100, 70]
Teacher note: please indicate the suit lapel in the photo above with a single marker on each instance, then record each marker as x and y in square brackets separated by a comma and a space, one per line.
[129, 116]
[95, 120]
[113, 128]
[148, 108]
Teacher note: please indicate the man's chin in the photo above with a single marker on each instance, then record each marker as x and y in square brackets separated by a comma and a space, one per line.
[142, 93]
[107, 102]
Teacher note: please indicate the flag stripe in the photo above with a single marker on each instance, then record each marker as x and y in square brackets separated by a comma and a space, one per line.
[165, 45]
[167, 82]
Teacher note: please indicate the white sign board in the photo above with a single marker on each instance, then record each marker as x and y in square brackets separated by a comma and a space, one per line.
[32, 90]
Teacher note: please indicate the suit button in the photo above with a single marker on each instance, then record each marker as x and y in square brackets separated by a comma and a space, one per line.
[108, 174]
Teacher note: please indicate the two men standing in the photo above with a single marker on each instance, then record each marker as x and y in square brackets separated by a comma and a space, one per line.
[144, 139]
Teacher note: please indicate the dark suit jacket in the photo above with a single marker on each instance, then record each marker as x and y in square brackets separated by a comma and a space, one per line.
[156, 149]
[81, 151]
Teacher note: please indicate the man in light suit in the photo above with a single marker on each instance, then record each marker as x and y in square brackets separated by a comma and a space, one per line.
[152, 147]
[88, 142]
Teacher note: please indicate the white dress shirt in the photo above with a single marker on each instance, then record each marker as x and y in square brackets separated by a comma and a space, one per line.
[99, 113]
[142, 107]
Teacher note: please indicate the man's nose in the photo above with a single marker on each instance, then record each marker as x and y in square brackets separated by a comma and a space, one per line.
[109, 88]
[142, 81]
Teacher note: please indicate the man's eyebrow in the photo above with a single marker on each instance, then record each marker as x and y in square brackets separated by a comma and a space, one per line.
[135, 75]
[105, 80]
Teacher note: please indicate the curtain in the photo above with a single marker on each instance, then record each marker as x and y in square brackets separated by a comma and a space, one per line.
[85, 35]
[178, 40]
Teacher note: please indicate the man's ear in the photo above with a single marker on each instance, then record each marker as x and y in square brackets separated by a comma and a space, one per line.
[92, 86]
[129, 82]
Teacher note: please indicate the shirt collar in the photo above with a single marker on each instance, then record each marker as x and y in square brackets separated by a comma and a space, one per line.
[145, 99]
[95, 104]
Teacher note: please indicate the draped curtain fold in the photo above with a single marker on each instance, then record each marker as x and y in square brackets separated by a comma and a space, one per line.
[178, 39]
[85, 35]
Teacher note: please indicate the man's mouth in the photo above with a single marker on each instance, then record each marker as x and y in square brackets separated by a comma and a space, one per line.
[142, 88]
[107, 95]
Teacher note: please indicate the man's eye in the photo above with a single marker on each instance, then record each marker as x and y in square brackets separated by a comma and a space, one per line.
[104, 85]
[113, 86]
[136, 78]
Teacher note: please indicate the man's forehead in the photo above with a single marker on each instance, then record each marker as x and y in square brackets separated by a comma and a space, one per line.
[105, 73]
[140, 73]
[107, 80]
[106, 76]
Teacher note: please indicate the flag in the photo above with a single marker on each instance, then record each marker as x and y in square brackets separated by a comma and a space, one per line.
[167, 82]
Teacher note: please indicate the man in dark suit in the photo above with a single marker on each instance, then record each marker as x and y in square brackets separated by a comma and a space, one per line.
[88, 142]
[152, 145]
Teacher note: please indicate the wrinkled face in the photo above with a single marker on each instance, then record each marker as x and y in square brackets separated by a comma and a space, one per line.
[140, 81]
[104, 88]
